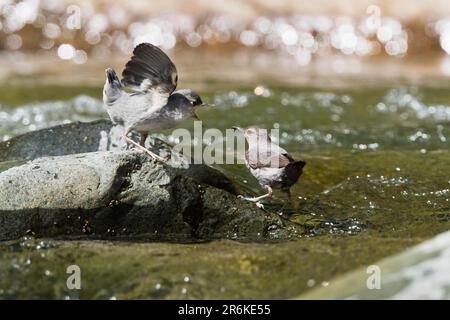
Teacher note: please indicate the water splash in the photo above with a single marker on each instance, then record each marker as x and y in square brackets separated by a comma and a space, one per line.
[40, 115]
[29, 243]
[349, 226]
[323, 119]
[409, 103]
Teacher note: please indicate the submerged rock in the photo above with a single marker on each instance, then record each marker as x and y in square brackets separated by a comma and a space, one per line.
[125, 194]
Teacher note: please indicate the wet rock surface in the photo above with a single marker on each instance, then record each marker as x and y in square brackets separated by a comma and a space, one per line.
[124, 194]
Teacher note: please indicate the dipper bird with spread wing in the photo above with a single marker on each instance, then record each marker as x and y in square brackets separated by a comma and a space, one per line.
[154, 104]
[270, 164]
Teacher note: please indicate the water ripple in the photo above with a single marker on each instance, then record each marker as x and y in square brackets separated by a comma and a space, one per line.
[40, 115]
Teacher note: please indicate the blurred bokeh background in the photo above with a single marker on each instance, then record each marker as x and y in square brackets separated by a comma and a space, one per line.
[291, 40]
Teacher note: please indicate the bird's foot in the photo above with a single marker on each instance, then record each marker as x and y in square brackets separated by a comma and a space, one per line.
[248, 198]
[259, 205]
[136, 149]
[156, 157]
[254, 200]
[152, 155]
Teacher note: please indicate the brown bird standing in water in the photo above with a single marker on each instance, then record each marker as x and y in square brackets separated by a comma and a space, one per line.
[270, 164]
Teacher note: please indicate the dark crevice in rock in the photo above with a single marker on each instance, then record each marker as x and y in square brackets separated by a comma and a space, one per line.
[191, 210]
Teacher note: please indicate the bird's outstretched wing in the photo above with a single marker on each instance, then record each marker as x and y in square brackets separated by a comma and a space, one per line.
[150, 71]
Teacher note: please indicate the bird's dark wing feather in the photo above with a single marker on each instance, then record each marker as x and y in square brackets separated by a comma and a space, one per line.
[292, 172]
[267, 159]
[150, 70]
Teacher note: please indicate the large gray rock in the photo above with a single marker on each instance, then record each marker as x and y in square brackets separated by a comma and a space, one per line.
[124, 193]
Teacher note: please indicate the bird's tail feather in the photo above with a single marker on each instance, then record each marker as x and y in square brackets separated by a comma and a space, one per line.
[293, 171]
[113, 87]
[112, 78]
[297, 164]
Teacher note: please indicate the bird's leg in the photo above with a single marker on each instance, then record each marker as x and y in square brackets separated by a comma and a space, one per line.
[143, 138]
[290, 205]
[257, 199]
[144, 149]
[289, 196]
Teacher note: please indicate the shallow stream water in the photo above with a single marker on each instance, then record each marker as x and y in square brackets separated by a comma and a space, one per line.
[375, 183]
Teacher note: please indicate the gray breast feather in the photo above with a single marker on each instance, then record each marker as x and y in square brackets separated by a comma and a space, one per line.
[268, 176]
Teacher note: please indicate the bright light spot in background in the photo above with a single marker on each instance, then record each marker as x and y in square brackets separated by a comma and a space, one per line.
[118, 16]
[13, 42]
[392, 48]
[302, 36]
[142, 39]
[92, 37]
[263, 25]
[384, 34]
[396, 47]
[27, 10]
[445, 40]
[80, 57]
[52, 30]
[363, 47]
[149, 32]
[16, 16]
[348, 42]
[306, 40]
[66, 51]
[98, 23]
[168, 41]
[259, 90]
[445, 66]
[249, 38]
[344, 38]
[323, 24]
[262, 91]
[193, 39]
[289, 36]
